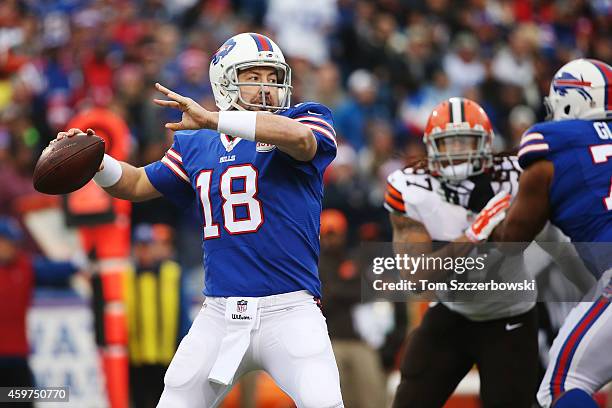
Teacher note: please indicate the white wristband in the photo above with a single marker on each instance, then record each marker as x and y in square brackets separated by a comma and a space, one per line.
[110, 175]
[238, 124]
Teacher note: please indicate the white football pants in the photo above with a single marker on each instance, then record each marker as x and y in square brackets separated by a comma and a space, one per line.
[290, 342]
[580, 355]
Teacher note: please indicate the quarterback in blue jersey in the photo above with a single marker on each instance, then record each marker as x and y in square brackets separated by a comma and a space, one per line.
[255, 169]
[567, 178]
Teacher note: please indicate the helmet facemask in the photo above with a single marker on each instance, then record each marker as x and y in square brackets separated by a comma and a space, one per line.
[231, 85]
[550, 110]
[556, 109]
[457, 155]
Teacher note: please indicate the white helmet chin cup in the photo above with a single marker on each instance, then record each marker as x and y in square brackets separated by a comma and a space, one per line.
[579, 90]
[243, 51]
[457, 172]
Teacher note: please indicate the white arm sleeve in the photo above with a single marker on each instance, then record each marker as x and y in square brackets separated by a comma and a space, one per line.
[565, 257]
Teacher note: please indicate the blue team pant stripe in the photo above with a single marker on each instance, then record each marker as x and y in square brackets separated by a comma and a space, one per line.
[566, 354]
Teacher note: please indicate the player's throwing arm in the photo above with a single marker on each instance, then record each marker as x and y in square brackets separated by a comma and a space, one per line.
[290, 136]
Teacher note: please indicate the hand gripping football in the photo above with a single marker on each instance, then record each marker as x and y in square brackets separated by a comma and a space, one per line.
[68, 164]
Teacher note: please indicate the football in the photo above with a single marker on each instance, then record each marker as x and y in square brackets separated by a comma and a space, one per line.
[68, 164]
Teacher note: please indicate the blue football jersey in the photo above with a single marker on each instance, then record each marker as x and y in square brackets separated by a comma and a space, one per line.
[581, 190]
[260, 208]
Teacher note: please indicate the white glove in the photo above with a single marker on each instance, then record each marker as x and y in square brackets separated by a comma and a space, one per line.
[489, 217]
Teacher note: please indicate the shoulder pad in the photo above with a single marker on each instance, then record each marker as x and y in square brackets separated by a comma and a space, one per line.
[416, 171]
[548, 138]
[183, 136]
[309, 109]
[407, 189]
[404, 179]
[506, 163]
[394, 199]
[534, 145]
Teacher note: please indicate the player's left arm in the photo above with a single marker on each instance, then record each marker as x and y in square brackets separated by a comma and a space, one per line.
[565, 255]
[288, 135]
[530, 211]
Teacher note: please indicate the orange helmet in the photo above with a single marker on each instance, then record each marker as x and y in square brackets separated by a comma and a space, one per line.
[458, 136]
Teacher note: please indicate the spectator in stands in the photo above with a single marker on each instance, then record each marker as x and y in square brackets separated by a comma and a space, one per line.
[16, 171]
[463, 66]
[348, 191]
[415, 109]
[379, 150]
[328, 87]
[361, 106]
[419, 58]
[302, 27]
[520, 119]
[193, 81]
[514, 64]
[362, 378]
[19, 272]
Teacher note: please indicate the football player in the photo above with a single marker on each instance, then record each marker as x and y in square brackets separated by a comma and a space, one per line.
[434, 204]
[255, 169]
[567, 179]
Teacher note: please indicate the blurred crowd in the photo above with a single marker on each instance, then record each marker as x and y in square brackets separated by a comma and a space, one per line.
[381, 66]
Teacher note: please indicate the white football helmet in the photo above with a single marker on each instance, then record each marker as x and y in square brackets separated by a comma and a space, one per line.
[581, 89]
[244, 51]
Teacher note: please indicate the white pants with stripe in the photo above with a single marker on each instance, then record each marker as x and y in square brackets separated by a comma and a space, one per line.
[290, 343]
[581, 355]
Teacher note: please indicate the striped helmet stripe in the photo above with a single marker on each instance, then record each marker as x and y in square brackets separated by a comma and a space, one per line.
[457, 110]
[607, 76]
[263, 43]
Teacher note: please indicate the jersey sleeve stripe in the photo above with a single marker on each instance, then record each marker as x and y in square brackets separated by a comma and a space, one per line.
[316, 120]
[175, 155]
[179, 172]
[394, 192]
[531, 143]
[531, 137]
[391, 209]
[176, 162]
[395, 204]
[533, 148]
[321, 130]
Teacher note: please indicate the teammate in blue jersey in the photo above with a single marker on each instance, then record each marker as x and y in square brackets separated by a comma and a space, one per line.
[255, 169]
[567, 178]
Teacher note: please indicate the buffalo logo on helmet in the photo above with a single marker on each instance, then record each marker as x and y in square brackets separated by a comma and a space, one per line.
[567, 81]
[225, 49]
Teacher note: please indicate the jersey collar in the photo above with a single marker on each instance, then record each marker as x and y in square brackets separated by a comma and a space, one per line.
[228, 142]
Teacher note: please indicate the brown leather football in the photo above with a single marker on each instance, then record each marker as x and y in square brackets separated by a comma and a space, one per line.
[68, 164]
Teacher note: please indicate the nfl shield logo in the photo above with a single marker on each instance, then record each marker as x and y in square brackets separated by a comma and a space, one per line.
[241, 306]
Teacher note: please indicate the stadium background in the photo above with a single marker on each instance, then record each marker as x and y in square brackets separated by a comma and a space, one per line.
[381, 66]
